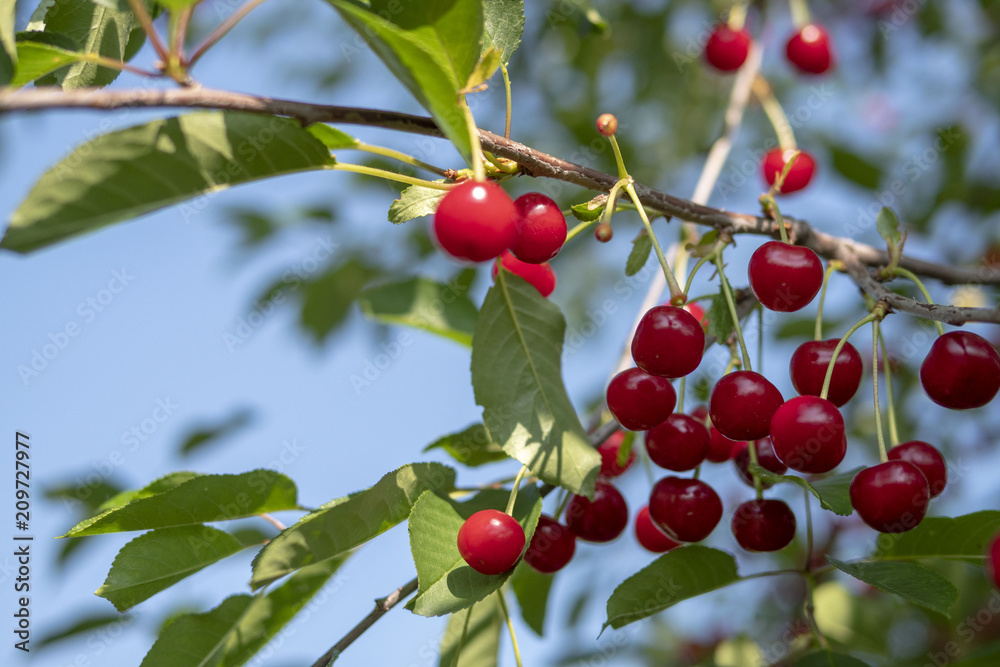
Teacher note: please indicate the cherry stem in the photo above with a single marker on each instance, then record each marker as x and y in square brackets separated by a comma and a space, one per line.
[910, 275]
[871, 317]
[579, 228]
[809, 532]
[461, 640]
[800, 12]
[760, 339]
[513, 491]
[680, 395]
[891, 409]
[622, 172]
[400, 156]
[818, 334]
[757, 486]
[179, 25]
[506, 87]
[478, 166]
[810, 611]
[142, 16]
[728, 293]
[271, 520]
[676, 294]
[510, 628]
[779, 183]
[772, 108]
[222, 30]
[737, 16]
[883, 457]
[609, 204]
[563, 500]
[389, 175]
[690, 279]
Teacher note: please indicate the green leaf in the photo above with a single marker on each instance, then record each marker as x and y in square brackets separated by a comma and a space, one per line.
[8, 48]
[138, 170]
[964, 538]
[482, 637]
[86, 624]
[855, 168]
[177, 5]
[36, 58]
[442, 309]
[484, 70]
[532, 590]
[157, 560]
[338, 527]
[204, 436]
[503, 23]
[447, 583]
[165, 483]
[641, 247]
[914, 583]
[327, 298]
[720, 320]
[331, 137]
[517, 379]
[591, 210]
[415, 202]
[673, 577]
[472, 447]
[625, 449]
[204, 499]
[833, 492]
[824, 659]
[888, 226]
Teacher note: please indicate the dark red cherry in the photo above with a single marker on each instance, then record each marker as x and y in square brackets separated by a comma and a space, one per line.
[727, 49]
[807, 433]
[766, 458]
[649, 536]
[669, 342]
[809, 50]
[640, 401]
[799, 174]
[698, 313]
[491, 541]
[609, 455]
[785, 277]
[763, 525]
[722, 448]
[808, 370]
[601, 519]
[891, 497]
[741, 405]
[551, 546]
[680, 443]
[926, 457]
[476, 221]
[541, 276]
[993, 561]
[687, 510]
[961, 371]
[541, 228]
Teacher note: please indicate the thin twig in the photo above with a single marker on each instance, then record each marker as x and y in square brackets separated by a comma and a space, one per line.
[222, 30]
[141, 15]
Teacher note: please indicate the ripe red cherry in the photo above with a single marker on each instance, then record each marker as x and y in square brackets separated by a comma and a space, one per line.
[961, 371]
[798, 176]
[891, 497]
[741, 405]
[926, 457]
[668, 342]
[601, 519]
[491, 541]
[698, 313]
[722, 448]
[680, 443]
[551, 546]
[609, 455]
[993, 561]
[541, 228]
[766, 458]
[649, 536]
[687, 510]
[640, 401]
[541, 276]
[809, 49]
[808, 434]
[785, 277]
[808, 370]
[476, 221]
[727, 49]
[763, 525]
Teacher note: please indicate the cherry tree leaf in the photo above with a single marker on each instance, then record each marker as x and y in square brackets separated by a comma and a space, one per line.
[331, 137]
[832, 492]
[888, 226]
[442, 309]
[482, 637]
[160, 485]
[37, 58]
[914, 583]
[8, 48]
[960, 538]
[472, 447]
[532, 589]
[503, 23]
[637, 258]
[415, 202]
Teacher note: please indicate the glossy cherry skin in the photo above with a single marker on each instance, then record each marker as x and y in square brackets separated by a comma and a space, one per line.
[491, 541]
[551, 547]
[785, 277]
[720, 448]
[600, 520]
[609, 455]
[808, 434]
[891, 497]
[798, 176]
[541, 228]
[476, 221]
[668, 342]
[698, 313]
[808, 370]
[926, 457]
[766, 458]
[541, 276]
[961, 371]
[649, 536]
[640, 401]
[763, 525]
[726, 49]
[993, 561]
[687, 510]
[742, 404]
[680, 443]
[809, 50]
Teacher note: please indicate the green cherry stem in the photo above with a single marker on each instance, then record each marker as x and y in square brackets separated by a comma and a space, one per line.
[818, 333]
[800, 12]
[513, 491]
[461, 640]
[891, 408]
[676, 295]
[506, 88]
[757, 486]
[731, 303]
[883, 457]
[400, 156]
[622, 173]
[771, 206]
[775, 114]
[510, 628]
[910, 275]
[478, 166]
[809, 532]
[222, 30]
[871, 317]
[389, 175]
[690, 279]
[680, 395]
[579, 228]
[563, 500]
[760, 338]
[737, 16]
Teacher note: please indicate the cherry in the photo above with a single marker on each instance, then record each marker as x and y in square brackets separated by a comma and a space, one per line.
[607, 124]
[649, 536]
[808, 370]
[808, 434]
[541, 276]
[926, 457]
[741, 405]
[601, 519]
[698, 313]
[476, 221]
[541, 228]
[766, 458]
[809, 49]
[640, 401]
[799, 174]
[785, 277]
[551, 546]
[722, 448]
[668, 342]
[763, 525]
[680, 443]
[609, 455]
[993, 561]
[687, 510]
[961, 371]
[891, 497]
[727, 49]
[491, 541]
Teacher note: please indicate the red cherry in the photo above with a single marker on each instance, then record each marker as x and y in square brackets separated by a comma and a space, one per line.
[601, 519]
[640, 401]
[808, 434]
[961, 371]
[609, 455]
[763, 525]
[926, 457]
[891, 497]
[551, 546]
[541, 276]
[766, 458]
[687, 510]
[727, 49]
[741, 405]
[541, 228]
[722, 448]
[491, 541]
[476, 221]
[785, 277]
[993, 561]
[809, 50]
[698, 313]
[680, 443]
[649, 536]
[668, 342]
[808, 370]
[798, 176]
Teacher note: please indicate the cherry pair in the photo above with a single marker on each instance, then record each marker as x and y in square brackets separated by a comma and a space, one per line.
[808, 49]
